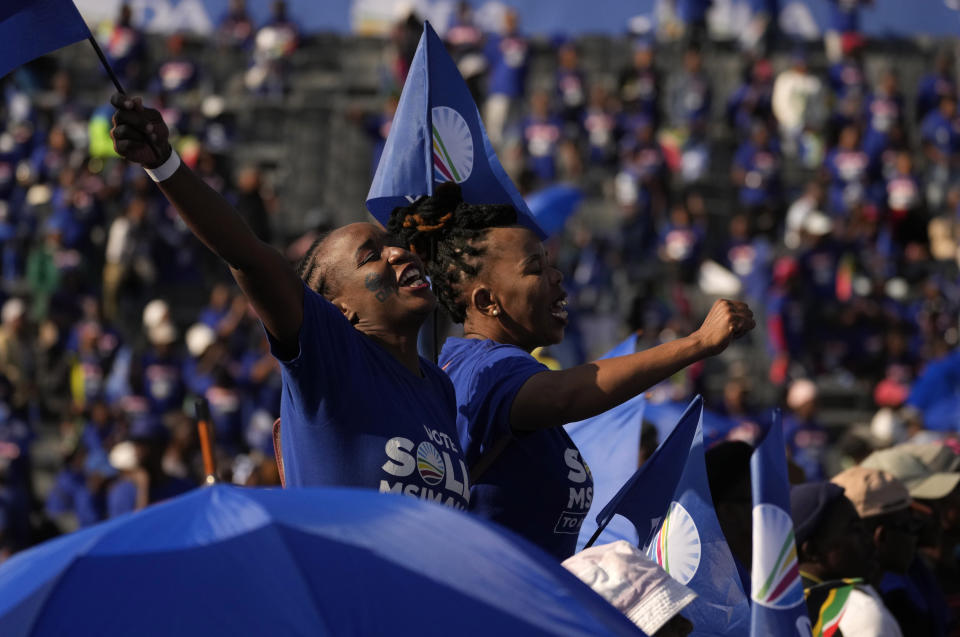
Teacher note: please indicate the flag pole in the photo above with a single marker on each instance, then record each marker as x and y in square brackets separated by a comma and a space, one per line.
[106, 65]
[205, 430]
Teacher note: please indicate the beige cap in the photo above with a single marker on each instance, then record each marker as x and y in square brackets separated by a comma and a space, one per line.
[199, 337]
[631, 582]
[872, 491]
[918, 478]
[12, 310]
[937, 456]
[123, 456]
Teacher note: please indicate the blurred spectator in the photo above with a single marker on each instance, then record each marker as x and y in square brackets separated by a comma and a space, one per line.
[571, 84]
[236, 28]
[797, 102]
[940, 134]
[464, 41]
[752, 102]
[805, 437]
[688, 94]
[835, 557]
[936, 85]
[273, 44]
[844, 27]
[507, 55]
[756, 170]
[846, 167]
[16, 354]
[541, 132]
[127, 50]
[178, 73]
[640, 83]
[251, 203]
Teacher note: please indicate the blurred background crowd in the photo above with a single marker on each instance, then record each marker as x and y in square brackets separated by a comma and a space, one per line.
[818, 181]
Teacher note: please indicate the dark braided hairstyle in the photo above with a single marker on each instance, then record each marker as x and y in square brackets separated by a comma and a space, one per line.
[448, 233]
[309, 268]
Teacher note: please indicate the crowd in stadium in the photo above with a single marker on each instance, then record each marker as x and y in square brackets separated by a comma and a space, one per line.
[116, 319]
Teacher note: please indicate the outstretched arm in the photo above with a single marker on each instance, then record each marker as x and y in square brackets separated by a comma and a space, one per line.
[140, 136]
[551, 399]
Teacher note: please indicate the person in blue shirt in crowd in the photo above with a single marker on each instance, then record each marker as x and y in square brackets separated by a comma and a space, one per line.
[752, 101]
[639, 83]
[940, 134]
[847, 166]
[689, 93]
[935, 85]
[541, 132]
[756, 169]
[494, 276]
[884, 112]
[507, 58]
[359, 406]
[805, 437]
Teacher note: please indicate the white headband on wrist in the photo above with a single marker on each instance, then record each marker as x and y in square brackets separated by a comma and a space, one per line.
[166, 169]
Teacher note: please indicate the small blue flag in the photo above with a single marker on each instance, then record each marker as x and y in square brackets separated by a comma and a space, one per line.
[436, 137]
[668, 500]
[31, 28]
[610, 444]
[777, 591]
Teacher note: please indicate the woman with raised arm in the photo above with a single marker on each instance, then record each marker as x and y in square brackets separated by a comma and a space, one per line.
[493, 276]
[359, 406]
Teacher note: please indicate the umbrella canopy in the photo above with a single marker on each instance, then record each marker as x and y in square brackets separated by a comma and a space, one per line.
[552, 206]
[229, 560]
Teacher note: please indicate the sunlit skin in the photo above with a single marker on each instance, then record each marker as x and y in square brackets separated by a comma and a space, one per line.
[517, 298]
[518, 295]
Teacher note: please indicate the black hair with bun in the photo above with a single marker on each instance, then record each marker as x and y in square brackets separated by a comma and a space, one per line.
[447, 233]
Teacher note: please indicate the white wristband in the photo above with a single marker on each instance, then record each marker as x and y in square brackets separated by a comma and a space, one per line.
[165, 170]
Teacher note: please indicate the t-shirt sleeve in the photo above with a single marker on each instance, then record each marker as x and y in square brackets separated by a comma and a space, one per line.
[498, 379]
[326, 347]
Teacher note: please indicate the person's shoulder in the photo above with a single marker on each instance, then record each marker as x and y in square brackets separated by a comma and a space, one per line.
[467, 353]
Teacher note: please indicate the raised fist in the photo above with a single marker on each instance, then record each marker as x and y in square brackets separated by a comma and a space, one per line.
[726, 321]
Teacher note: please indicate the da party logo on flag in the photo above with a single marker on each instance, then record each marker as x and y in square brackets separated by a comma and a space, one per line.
[775, 577]
[676, 546]
[452, 146]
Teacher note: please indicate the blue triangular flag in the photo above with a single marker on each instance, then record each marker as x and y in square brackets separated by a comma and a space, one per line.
[610, 444]
[668, 500]
[777, 591]
[436, 137]
[31, 28]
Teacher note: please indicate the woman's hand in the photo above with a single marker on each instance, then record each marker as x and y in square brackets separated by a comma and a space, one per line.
[726, 321]
[139, 134]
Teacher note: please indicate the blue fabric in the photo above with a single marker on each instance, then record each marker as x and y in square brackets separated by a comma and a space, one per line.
[553, 205]
[941, 133]
[353, 415]
[228, 560]
[539, 487]
[668, 501]
[610, 445]
[31, 28]
[437, 136]
[507, 59]
[777, 591]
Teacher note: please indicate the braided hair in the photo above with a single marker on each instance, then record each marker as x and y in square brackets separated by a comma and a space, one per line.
[448, 234]
[310, 269]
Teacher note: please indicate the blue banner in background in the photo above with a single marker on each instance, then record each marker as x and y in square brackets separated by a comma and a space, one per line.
[728, 18]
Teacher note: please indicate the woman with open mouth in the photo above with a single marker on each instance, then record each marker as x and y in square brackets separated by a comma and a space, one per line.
[493, 276]
[359, 406]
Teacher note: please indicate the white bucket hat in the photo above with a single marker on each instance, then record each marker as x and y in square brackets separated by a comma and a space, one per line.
[632, 582]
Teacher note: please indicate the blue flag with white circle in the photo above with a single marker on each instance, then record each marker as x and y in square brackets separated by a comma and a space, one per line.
[437, 136]
[31, 28]
[777, 591]
[668, 500]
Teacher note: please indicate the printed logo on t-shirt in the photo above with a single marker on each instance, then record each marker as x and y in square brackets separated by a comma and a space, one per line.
[580, 498]
[430, 470]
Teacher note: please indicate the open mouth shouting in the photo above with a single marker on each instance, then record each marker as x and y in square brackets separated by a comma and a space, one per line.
[412, 278]
[558, 309]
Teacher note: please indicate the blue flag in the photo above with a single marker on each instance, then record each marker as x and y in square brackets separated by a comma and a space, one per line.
[777, 591]
[610, 444]
[31, 28]
[668, 500]
[436, 137]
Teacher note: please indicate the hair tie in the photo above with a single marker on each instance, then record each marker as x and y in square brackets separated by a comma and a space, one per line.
[415, 220]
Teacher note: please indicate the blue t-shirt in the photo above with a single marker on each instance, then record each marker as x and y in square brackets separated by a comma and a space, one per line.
[353, 415]
[539, 486]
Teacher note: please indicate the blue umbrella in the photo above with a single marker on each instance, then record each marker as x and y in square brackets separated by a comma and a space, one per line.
[552, 206]
[227, 560]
